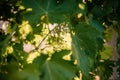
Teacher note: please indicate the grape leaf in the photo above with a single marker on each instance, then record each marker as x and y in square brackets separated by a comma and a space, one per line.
[85, 46]
[87, 36]
[51, 10]
[56, 68]
[97, 25]
[29, 71]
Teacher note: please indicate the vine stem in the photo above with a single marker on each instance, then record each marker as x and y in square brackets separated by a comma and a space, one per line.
[38, 47]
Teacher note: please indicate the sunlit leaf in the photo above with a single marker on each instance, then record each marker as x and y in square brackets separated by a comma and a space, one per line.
[107, 52]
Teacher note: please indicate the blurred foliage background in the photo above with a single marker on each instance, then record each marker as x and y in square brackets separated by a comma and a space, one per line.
[59, 39]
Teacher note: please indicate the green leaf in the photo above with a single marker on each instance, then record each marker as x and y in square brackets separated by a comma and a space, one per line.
[30, 71]
[57, 69]
[83, 61]
[100, 43]
[40, 60]
[87, 35]
[10, 69]
[50, 10]
[85, 46]
[97, 25]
